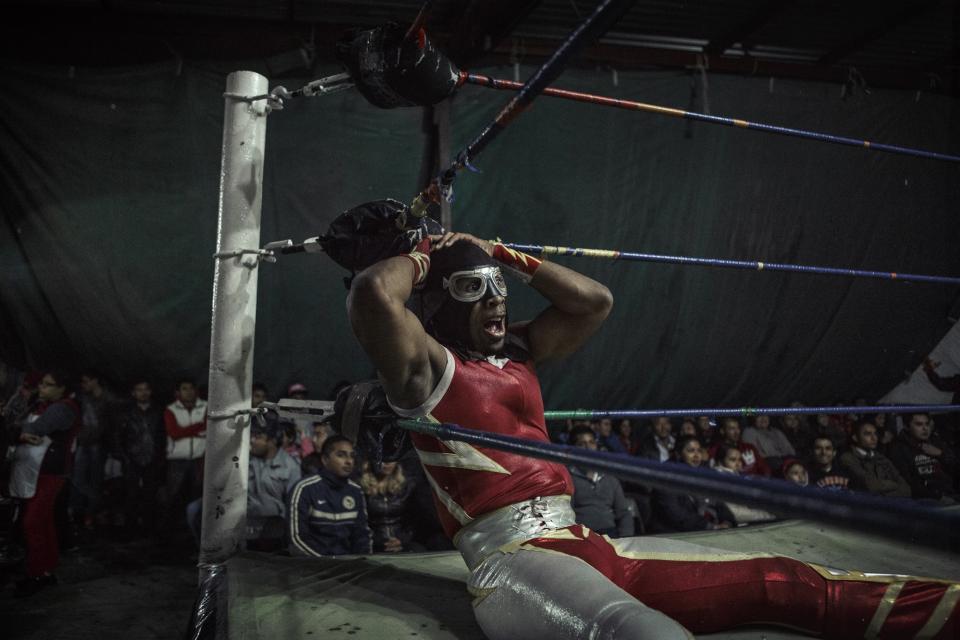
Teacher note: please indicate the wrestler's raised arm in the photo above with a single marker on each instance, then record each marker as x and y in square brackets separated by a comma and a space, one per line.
[409, 361]
[578, 306]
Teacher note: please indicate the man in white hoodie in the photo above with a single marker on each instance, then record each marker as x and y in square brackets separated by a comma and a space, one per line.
[185, 421]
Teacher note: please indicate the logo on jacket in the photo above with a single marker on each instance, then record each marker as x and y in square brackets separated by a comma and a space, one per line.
[349, 502]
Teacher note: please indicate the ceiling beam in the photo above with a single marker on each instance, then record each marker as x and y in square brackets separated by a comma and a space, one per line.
[909, 77]
[483, 25]
[742, 31]
[893, 19]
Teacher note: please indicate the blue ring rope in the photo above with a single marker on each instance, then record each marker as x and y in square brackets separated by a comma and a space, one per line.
[902, 519]
[589, 414]
[733, 264]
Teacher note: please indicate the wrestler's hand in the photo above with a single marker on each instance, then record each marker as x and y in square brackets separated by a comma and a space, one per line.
[450, 237]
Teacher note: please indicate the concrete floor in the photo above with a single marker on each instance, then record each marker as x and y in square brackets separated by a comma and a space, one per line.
[106, 591]
[423, 596]
[134, 590]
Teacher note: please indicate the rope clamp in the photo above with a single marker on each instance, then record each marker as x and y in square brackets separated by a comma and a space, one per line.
[267, 254]
[318, 87]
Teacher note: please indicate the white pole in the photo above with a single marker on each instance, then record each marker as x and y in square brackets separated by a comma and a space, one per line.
[234, 321]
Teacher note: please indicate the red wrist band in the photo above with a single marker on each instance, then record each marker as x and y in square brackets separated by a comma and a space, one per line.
[421, 265]
[520, 264]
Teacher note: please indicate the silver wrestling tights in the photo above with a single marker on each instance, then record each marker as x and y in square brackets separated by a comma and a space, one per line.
[538, 594]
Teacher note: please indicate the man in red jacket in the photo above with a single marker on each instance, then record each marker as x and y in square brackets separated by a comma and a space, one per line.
[185, 421]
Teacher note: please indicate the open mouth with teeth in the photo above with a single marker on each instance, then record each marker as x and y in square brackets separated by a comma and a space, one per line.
[495, 327]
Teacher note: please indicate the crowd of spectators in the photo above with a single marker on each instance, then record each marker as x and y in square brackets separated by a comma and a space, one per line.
[90, 461]
[898, 456]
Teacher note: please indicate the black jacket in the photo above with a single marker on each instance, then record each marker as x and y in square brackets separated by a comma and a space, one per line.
[389, 516]
[327, 516]
[927, 476]
[137, 436]
[684, 512]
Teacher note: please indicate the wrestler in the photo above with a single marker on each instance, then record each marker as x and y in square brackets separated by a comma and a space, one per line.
[535, 572]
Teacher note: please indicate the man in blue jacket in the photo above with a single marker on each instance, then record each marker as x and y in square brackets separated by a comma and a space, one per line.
[327, 514]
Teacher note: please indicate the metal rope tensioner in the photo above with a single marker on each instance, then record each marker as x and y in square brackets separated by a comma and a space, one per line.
[270, 250]
[318, 87]
[288, 408]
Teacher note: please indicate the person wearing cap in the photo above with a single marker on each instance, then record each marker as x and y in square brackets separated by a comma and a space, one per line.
[273, 474]
[303, 423]
[297, 391]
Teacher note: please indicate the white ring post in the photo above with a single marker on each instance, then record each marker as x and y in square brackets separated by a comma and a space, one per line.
[234, 321]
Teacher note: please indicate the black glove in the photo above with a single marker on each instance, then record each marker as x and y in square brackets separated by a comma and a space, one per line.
[374, 231]
[362, 414]
[392, 72]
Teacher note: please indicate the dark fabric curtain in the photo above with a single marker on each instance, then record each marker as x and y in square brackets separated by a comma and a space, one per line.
[109, 210]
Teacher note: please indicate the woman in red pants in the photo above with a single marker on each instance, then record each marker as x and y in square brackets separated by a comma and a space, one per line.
[55, 420]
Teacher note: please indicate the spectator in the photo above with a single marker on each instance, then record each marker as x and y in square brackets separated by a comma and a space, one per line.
[310, 465]
[870, 470]
[90, 455]
[258, 394]
[707, 430]
[328, 515]
[388, 493]
[321, 431]
[626, 436]
[949, 384]
[796, 472]
[139, 443]
[559, 431]
[304, 422]
[15, 410]
[688, 427]
[607, 440]
[598, 499]
[831, 427]
[753, 462]
[185, 422]
[728, 460]
[684, 512]
[769, 441]
[824, 474]
[297, 391]
[798, 432]
[924, 461]
[290, 441]
[659, 441]
[46, 435]
[886, 430]
[18, 406]
[272, 477]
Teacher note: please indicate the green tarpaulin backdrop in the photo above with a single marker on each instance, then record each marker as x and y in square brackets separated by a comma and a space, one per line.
[109, 210]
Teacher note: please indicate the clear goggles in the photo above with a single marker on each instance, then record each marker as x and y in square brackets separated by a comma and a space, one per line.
[473, 285]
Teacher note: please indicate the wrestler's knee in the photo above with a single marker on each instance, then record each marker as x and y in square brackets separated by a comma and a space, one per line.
[538, 595]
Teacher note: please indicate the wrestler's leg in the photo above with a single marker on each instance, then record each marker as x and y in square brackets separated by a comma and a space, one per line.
[707, 589]
[537, 594]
